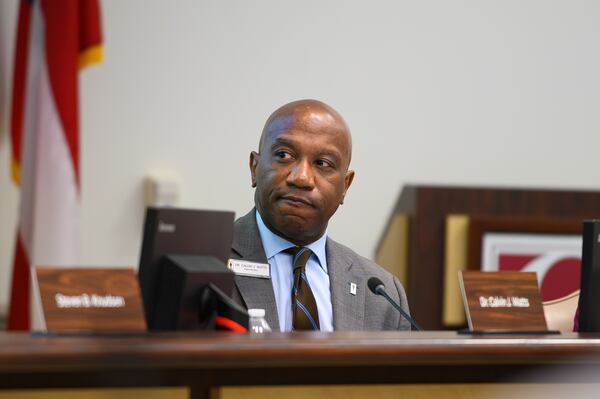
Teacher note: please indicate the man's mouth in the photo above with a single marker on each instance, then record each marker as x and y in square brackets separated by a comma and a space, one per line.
[296, 200]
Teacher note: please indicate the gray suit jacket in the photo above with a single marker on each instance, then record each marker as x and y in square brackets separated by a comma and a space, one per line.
[363, 311]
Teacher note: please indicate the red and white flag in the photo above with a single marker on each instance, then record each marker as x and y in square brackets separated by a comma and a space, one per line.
[54, 40]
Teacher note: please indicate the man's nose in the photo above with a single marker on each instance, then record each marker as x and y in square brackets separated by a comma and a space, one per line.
[302, 175]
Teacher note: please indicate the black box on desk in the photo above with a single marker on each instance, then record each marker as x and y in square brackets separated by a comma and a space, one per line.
[589, 297]
[183, 302]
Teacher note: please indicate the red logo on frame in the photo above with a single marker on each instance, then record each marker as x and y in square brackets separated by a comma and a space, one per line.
[560, 276]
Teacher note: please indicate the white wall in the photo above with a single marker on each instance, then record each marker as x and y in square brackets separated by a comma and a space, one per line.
[472, 92]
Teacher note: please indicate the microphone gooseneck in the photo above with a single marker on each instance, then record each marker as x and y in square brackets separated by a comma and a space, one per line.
[378, 288]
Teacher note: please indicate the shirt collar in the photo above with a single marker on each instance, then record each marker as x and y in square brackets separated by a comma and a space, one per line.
[273, 244]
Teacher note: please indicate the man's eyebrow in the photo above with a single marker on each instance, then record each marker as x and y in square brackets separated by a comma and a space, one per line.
[331, 152]
[282, 141]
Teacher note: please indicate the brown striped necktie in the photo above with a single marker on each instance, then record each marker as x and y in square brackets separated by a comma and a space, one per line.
[304, 306]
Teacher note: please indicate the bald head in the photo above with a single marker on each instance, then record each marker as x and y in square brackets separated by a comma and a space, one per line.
[307, 115]
[301, 171]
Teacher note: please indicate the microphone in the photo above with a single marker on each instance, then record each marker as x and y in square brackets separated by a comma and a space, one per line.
[376, 286]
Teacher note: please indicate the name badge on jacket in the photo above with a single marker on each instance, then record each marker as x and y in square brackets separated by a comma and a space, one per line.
[249, 269]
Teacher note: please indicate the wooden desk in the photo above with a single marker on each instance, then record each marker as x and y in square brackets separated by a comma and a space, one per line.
[202, 360]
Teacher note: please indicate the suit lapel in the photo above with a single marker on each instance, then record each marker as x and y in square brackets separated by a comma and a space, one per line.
[256, 292]
[348, 309]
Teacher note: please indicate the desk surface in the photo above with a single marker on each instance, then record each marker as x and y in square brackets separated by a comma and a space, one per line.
[205, 359]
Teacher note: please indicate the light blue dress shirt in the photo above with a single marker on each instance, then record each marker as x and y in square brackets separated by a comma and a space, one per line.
[282, 276]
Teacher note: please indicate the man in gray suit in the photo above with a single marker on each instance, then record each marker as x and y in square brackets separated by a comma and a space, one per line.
[306, 279]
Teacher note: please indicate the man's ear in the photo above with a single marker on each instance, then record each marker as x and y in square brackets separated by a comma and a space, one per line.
[347, 182]
[253, 164]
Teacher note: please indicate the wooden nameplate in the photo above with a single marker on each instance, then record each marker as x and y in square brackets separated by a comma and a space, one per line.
[502, 302]
[88, 300]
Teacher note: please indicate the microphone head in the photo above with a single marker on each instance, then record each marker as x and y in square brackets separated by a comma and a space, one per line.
[374, 285]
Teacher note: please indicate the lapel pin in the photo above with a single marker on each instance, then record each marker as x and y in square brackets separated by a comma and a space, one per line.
[353, 288]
